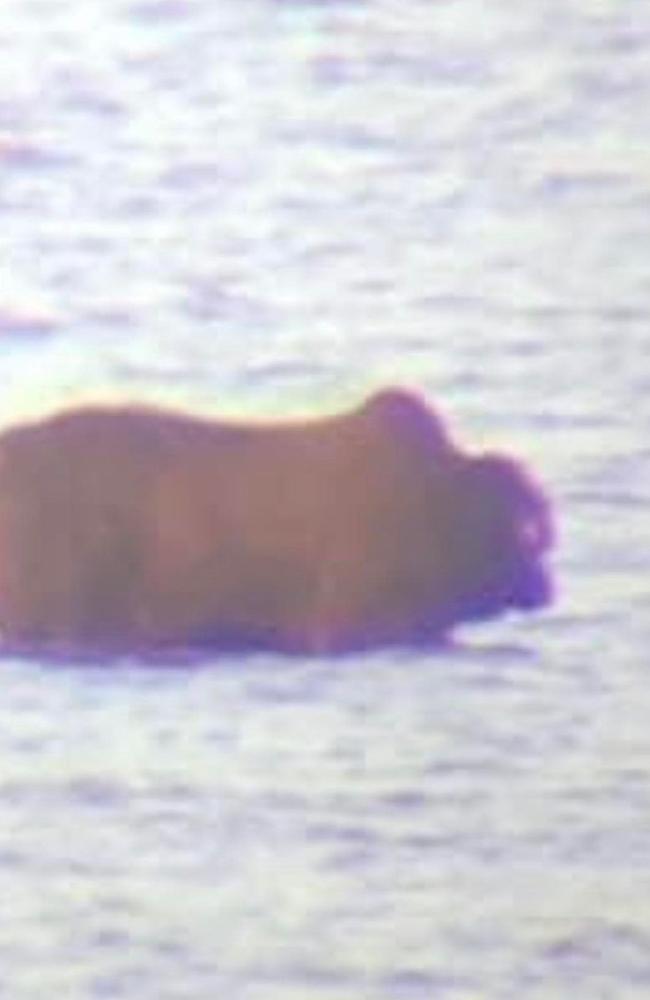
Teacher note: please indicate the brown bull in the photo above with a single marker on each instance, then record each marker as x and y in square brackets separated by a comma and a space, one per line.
[134, 528]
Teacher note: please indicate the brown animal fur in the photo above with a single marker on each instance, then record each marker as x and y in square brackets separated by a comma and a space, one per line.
[138, 528]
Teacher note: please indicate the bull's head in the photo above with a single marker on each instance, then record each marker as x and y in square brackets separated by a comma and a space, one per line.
[499, 533]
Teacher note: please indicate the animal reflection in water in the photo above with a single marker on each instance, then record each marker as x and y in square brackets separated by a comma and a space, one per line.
[136, 529]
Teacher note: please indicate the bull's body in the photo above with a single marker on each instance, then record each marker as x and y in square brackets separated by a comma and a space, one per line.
[138, 529]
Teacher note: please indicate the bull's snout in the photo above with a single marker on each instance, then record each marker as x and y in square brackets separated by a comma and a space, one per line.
[532, 583]
[532, 587]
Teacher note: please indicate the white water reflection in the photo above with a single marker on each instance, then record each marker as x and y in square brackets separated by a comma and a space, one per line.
[269, 206]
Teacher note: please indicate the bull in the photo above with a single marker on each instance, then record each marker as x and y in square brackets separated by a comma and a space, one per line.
[135, 528]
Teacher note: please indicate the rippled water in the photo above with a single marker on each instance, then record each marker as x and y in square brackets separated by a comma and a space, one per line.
[269, 206]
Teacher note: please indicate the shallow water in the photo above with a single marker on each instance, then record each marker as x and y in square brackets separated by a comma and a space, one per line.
[270, 206]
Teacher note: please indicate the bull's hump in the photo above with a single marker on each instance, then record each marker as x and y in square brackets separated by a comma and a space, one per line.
[406, 415]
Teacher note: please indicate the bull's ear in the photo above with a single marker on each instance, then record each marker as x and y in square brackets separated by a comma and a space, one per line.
[491, 475]
[504, 477]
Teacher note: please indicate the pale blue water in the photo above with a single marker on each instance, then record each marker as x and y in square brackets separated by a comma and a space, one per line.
[269, 206]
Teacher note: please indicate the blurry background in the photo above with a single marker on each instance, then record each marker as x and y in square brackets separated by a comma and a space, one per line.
[270, 206]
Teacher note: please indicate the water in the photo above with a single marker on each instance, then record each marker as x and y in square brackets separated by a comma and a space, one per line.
[270, 206]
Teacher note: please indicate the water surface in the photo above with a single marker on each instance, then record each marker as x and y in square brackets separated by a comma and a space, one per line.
[270, 206]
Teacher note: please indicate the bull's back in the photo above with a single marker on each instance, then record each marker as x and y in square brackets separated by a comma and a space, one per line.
[134, 525]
